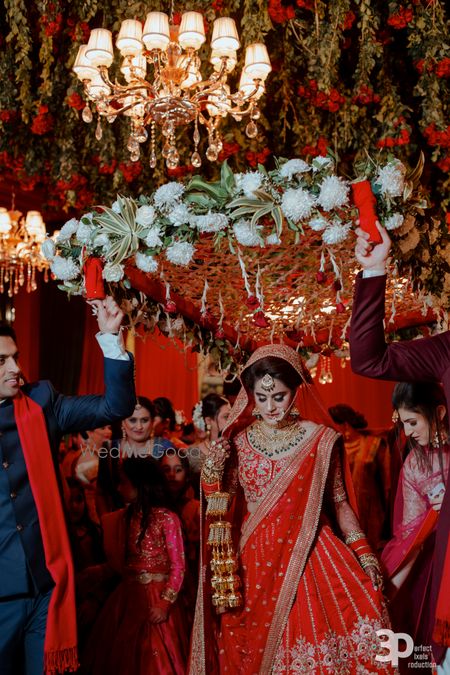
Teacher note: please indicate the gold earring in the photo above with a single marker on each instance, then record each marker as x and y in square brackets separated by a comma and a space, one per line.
[256, 413]
[294, 412]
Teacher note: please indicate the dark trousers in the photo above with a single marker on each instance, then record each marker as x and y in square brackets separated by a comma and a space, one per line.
[22, 634]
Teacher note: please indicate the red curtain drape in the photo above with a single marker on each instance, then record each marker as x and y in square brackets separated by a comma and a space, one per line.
[370, 397]
[163, 368]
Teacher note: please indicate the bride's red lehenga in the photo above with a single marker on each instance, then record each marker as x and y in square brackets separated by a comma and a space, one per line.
[308, 606]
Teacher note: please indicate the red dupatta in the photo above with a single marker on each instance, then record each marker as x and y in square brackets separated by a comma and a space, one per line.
[299, 510]
[60, 649]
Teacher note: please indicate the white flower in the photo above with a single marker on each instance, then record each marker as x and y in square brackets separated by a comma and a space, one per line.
[336, 233]
[211, 222]
[321, 162]
[168, 195]
[48, 249]
[102, 240]
[297, 204]
[246, 234]
[391, 178]
[394, 221]
[179, 215]
[333, 193]
[67, 230]
[116, 206]
[273, 240]
[318, 223]
[84, 232]
[153, 239]
[180, 253]
[145, 215]
[146, 263]
[64, 268]
[197, 417]
[113, 272]
[292, 167]
[249, 182]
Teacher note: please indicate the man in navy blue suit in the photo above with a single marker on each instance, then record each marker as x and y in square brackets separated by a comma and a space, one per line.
[26, 549]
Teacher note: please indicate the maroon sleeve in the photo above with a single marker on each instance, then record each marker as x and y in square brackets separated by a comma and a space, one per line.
[425, 359]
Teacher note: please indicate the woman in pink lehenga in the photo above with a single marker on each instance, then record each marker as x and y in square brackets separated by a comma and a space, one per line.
[407, 558]
[142, 628]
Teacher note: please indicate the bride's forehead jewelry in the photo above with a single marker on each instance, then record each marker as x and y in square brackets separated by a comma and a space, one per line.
[267, 382]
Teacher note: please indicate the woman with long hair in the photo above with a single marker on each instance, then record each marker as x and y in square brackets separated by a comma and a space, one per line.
[142, 628]
[138, 440]
[369, 461]
[310, 599]
[421, 410]
[209, 416]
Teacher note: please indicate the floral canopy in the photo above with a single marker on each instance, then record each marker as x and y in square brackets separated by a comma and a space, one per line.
[358, 78]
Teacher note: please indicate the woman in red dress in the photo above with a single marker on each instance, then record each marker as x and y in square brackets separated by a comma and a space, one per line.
[142, 629]
[310, 602]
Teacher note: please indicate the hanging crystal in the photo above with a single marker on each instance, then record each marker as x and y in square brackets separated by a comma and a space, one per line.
[251, 130]
[132, 144]
[152, 161]
[212, 153]
[135, 154]
[196, 160]
[98, 131]
[87, 114]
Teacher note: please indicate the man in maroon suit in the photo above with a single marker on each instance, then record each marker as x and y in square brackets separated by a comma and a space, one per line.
[422, 360]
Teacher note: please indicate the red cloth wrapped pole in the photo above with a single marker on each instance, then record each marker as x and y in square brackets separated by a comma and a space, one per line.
[93, 279]
[365, 202]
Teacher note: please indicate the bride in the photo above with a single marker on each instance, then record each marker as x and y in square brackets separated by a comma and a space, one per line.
[310, 599]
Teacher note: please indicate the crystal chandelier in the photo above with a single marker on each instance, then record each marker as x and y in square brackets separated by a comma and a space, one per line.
[20, 250]
[175, 94]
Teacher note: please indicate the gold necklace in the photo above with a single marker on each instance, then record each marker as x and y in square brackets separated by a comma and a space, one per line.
[273, 441]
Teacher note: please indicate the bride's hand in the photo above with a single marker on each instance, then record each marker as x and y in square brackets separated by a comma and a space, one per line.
[375, 576]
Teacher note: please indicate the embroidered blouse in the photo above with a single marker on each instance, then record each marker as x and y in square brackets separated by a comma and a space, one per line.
[160, 552]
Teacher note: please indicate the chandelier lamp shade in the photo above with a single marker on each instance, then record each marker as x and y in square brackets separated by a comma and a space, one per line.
[20, 250]
[163, 86]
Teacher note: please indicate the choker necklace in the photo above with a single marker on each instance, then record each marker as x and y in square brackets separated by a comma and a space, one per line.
[274, 441]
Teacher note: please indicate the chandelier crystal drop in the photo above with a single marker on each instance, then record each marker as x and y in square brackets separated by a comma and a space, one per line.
[20, 250]
[163, 85]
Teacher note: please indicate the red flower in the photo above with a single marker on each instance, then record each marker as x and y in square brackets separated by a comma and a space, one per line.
[442, 68]
[180, 171]
[403, 17]
[314, 150]
[217, 5]
[279, 13]
[305, 4]
[8, 115]
[255, 158]
[349, 20]
[76, 101]
[43, 122]
[228, 150]
[130, 170]
[108, 169]
[444, 164]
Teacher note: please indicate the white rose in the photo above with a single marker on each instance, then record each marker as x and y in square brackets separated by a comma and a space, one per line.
[113, 272]
[145, 215]
[48, 249]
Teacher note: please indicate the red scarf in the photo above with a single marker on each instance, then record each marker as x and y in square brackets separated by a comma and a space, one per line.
[61, 632]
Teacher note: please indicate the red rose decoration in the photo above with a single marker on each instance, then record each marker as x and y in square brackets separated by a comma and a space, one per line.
[93, 279]
[252, 302]
[170, 307]
[321, 277]
[260, 319]
[365, 202]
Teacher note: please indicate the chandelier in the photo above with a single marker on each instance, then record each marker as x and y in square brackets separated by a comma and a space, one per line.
[175, 93]
[20, 250]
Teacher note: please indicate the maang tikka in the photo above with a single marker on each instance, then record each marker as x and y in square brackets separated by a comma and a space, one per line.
[267, 382]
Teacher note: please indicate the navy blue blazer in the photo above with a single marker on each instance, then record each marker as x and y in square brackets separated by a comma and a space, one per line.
[22, 560]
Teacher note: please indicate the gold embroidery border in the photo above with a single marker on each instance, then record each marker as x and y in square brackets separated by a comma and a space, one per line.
[278, 486]
[301, 549]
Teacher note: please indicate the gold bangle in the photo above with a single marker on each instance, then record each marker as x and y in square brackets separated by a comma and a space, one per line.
[354, 535]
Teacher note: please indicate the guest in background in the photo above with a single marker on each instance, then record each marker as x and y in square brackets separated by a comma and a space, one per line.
[138, 440]
[165, 422]
[86, 537]
[210, 416]
[425, 360]
[142, 629]
[368, 457]
[408, 557]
